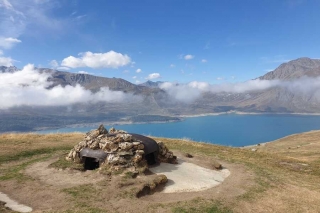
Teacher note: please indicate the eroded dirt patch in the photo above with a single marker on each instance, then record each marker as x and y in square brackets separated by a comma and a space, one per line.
[56, 190]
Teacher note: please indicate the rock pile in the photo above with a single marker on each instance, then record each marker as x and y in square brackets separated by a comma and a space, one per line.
[123, 151]
[166, 156]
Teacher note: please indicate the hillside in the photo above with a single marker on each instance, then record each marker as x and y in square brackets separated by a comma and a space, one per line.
[294, 69]
[280, 176]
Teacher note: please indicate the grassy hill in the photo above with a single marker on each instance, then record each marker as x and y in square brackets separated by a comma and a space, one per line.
[280, 176]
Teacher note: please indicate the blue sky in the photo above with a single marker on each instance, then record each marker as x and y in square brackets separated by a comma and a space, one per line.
[168, 40]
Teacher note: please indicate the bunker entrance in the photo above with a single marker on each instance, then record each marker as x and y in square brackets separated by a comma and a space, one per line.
[150, 158]
[91, 163]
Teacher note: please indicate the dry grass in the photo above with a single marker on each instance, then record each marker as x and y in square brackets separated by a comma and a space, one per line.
[285, 179]
[304, 147]
[17, 146]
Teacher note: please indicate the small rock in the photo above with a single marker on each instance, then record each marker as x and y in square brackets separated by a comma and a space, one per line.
[217, 165]
[112, 130]
[102, 130]
[136, 143]
[188, 155]
[114, 147]
[124, 153]
[125, 146]
[140, 146]
[140, 152]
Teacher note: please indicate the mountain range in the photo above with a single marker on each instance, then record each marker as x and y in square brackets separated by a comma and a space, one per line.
[153, 103]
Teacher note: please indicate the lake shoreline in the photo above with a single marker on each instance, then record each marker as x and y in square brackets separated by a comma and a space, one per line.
[245, 113]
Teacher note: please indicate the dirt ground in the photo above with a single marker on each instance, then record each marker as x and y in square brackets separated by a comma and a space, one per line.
[45, 189]
[61, 178]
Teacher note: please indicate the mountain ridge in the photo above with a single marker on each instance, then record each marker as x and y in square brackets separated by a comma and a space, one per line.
[155, 102]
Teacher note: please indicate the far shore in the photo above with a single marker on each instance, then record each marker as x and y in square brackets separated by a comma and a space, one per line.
[245, 113]
[181, 117]
[106, 123]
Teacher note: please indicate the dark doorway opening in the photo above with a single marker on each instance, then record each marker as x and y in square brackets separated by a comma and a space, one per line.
[151, 160]
[91, 163]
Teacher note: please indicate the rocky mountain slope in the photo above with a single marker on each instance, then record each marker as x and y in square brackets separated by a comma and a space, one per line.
[151, 84]
[294, 69]
[290, 98]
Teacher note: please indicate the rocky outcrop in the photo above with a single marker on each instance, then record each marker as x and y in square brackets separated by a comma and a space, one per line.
[165, 155]
[124, 152]
[151, 186]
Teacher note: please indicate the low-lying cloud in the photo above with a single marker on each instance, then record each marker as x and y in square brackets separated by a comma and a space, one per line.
[29, 87]
[6, 61]
[191, 91]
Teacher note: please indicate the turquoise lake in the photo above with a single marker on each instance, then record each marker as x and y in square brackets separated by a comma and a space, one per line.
[229, 129]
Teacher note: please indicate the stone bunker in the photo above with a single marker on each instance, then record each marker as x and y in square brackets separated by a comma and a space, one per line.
[116, 150]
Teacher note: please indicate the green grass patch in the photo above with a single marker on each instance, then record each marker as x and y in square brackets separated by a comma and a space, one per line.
[201, 206]
[14, 172]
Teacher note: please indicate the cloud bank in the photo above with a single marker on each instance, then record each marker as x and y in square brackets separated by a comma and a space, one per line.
[191, 91]
[29, 87]
[109, 59]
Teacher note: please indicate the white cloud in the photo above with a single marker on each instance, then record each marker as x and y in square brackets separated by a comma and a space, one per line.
[6, 61]
[188, 57]
[83, 72]
[1, 52]
[138, 82]
[153, 76]
[204, 61]
[219, 78]
[126, 71]
[182, 92]
[138, 70]
[8, 43]
[28, 87]
[134, 77]
[109, 59]
[6, 4]
[36, 18]
[53, 63]
[172, 65]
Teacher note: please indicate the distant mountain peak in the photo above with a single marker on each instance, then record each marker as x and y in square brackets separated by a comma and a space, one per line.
[294, 69]
[151, 84]
[11, 69]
